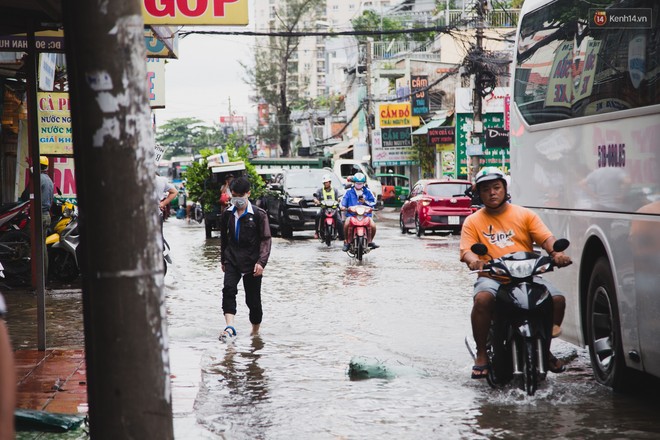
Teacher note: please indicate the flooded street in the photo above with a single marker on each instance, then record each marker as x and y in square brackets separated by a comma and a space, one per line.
[405, 308]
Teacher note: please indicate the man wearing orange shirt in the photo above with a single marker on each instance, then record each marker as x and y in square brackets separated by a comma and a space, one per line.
[504, 228]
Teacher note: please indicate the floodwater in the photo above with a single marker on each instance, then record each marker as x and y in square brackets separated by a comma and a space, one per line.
[405, 308]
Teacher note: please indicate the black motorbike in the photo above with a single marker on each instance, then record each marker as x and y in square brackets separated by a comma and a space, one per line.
[518, 345]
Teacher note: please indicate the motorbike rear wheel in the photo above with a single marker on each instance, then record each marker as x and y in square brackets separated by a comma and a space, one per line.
[16, 252]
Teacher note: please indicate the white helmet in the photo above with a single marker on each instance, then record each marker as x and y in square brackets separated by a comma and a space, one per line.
[490, 173]
[327, 178]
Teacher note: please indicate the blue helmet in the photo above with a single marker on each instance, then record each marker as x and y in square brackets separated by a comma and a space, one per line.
[359, 178]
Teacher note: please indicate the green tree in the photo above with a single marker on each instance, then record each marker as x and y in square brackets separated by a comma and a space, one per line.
[372, 21]
[188, 136]
[275, 63]
[203, 188]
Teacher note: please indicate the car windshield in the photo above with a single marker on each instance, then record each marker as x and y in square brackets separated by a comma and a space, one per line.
[446, 189]
[307, 182]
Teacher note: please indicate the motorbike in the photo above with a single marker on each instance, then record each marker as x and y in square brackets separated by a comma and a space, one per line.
[15, 250]
[62, 243]
[358, 231]
[166, 256]
[519, 339]
[328, 227]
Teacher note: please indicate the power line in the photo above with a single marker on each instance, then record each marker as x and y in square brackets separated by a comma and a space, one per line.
[445, 29]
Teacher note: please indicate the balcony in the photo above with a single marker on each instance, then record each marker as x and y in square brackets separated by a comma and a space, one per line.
[383, 50]
[492, 19]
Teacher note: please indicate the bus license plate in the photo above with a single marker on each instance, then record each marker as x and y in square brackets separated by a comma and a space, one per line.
[454, 220]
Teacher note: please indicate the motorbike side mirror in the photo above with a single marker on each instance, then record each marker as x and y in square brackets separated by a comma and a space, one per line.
[561, 245]
[479, 249]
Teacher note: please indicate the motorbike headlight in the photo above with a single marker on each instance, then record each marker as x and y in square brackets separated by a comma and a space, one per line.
[542, 268]
[360, 210]
[521, 268]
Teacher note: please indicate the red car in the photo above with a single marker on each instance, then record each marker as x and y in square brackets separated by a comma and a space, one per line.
[436, 204]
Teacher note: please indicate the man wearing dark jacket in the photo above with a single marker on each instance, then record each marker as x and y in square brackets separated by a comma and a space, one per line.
[244, 250]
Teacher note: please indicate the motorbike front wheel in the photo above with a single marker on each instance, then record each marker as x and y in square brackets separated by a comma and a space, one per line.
[328, 234]
[531, 375]
[359, 248]
[62, 265]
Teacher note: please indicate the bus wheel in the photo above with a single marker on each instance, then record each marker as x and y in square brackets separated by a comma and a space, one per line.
[604, 330]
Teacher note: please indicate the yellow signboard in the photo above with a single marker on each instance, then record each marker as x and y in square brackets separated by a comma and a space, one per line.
[394, 115]
[195, 12]
[54, 113]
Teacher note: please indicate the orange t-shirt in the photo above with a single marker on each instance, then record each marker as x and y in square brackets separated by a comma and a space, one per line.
[514, 230]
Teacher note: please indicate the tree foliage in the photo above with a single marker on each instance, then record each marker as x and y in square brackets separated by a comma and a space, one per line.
[183, 136]
[203, 188]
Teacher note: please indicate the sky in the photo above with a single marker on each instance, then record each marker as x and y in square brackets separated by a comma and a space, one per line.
[207, 76]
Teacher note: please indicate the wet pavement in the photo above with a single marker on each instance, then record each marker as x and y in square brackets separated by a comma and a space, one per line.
[406, 308]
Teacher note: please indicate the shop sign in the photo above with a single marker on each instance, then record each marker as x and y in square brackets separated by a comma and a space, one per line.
[441, 135]
[195, 12]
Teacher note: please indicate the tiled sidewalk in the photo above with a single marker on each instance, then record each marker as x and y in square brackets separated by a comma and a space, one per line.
[55, 380]
[51, 380]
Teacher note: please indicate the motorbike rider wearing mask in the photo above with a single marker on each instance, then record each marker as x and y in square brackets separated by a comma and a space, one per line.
[327, 192]
[358, 194]
[504, 228]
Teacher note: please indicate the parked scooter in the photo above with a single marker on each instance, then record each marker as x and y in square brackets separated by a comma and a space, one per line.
[358, 231]
[519, 341]
[15, 251]
[328, 227]
[62, 244]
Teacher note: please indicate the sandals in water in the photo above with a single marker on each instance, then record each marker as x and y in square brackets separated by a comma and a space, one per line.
[555, 365]
[482, 371]
[228, 333]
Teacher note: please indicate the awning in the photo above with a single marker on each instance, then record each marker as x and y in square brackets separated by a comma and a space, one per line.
[433, 123]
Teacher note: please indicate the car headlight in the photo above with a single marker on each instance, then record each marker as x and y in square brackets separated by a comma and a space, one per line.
[295, 200]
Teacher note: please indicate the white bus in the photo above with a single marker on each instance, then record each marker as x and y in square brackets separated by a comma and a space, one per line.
[585, 155]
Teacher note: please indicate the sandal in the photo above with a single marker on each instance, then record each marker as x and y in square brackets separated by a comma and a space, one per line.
[556, 331]
[555, 365]
[480, 371]
[227, 333]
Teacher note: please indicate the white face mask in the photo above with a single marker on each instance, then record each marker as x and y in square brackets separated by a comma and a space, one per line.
[239, 202]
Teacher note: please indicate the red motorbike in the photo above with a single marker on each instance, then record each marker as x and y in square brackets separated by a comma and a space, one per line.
[358, 231]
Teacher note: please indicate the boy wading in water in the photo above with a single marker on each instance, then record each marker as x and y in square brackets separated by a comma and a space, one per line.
[244, 250]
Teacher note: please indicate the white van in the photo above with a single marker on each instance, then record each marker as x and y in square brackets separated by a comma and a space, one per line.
[348, 167]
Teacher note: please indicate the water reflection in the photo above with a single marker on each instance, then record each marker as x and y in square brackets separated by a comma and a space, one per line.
[237, 375]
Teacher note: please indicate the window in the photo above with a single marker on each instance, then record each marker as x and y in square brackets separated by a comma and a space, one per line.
[567, 69]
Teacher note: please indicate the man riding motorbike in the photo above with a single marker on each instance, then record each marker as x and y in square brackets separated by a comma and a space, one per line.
[327, 192]
[503, 227]
[358, 194]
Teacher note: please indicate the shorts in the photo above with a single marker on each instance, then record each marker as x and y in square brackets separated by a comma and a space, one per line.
[485, 284]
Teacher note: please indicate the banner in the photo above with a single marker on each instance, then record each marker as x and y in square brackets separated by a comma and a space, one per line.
[560, 86]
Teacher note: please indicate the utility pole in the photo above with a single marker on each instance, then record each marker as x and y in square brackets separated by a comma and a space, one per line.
[126, 348]
[478, 126]
[367, 108]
